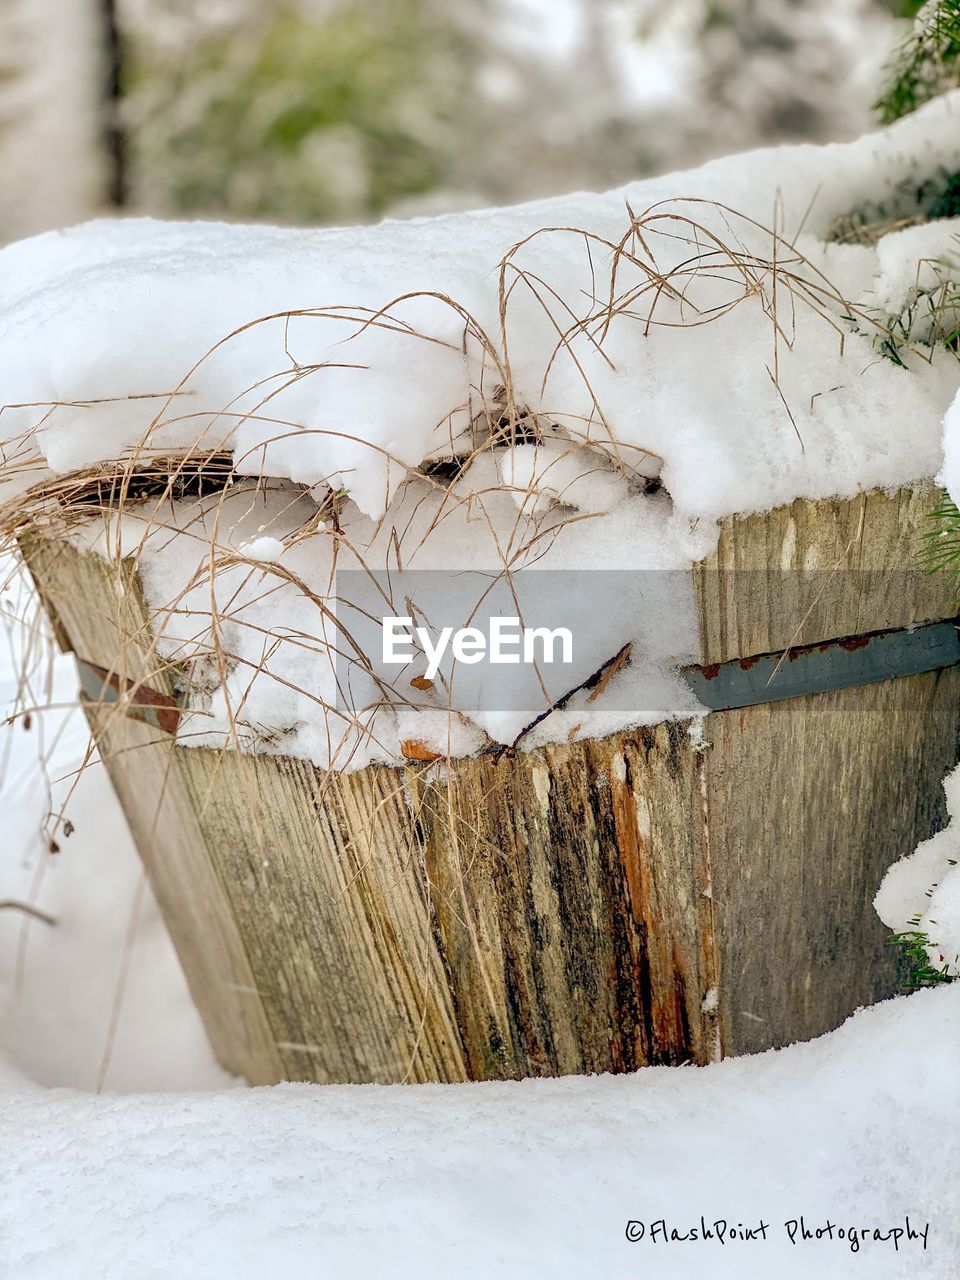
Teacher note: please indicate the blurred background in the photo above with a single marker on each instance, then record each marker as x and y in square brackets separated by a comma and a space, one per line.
[319, 111]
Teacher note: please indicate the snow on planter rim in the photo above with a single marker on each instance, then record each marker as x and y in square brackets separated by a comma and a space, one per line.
[484, 389]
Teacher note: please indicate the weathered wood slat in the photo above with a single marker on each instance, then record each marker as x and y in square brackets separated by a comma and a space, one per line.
[99, 607]
[814, 571]
[568, 886]
[581, 907]
[809, 801]
[326, 883]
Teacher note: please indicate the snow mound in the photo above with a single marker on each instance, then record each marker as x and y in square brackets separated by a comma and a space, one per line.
[94, 318]
[921, 892]
[534, 1178]
[589, 382]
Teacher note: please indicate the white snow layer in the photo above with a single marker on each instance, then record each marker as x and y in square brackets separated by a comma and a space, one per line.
[921, 892]
[949, 475]
[521, 1180]
[743, 369]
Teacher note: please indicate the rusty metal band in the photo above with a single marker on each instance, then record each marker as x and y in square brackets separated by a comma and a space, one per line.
[105, 688]
[742, 682]
[824, 668]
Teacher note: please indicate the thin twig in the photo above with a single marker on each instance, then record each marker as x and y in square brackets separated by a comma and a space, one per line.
[10, 904]
[597, 680]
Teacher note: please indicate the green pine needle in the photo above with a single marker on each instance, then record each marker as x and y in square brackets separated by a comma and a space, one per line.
[940, 552]
[914, 961]
[927, 64]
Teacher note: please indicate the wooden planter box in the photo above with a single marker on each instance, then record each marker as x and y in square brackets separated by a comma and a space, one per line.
[594, 906]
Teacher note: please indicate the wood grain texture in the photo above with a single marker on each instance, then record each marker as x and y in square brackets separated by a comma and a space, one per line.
[325, 881]
[582, 907]
[809, 801]
[537, 916]
[814, 571]
[569, 892]
[99, 606]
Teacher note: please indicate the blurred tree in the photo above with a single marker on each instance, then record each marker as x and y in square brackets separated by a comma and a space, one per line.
[317, 111]
[280, 112]
[114, 139]
[766, 72]
[50, 139]
[343, 110]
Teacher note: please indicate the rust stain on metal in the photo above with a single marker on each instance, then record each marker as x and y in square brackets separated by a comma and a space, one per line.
[139, 701]
[857, 642]
[850, 643]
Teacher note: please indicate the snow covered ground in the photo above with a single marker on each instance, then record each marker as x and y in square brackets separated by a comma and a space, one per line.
[520, 1180]
[859, 1129]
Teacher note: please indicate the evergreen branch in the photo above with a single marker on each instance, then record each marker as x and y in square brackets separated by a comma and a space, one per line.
[927, 64]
